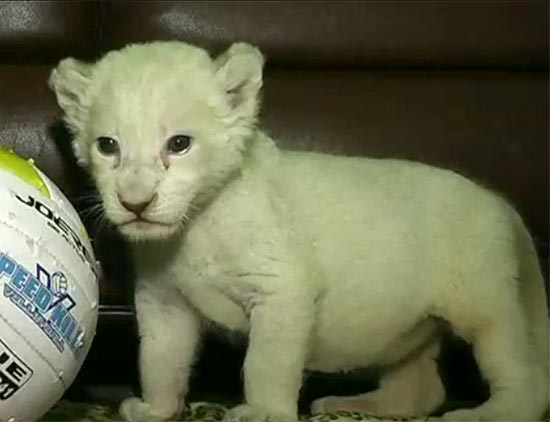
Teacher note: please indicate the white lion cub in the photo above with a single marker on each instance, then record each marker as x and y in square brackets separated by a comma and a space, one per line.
[325, 262]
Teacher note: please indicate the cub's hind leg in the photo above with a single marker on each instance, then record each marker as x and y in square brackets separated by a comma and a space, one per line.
[411, 388]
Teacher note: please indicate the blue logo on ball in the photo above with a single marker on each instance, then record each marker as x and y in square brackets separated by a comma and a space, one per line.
[45, 299]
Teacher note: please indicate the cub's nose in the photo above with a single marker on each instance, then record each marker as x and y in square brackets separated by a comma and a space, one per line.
[137, 207]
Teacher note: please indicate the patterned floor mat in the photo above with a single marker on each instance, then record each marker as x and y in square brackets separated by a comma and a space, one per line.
[66, 411]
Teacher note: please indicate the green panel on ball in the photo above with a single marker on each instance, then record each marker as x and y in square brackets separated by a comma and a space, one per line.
[24, 169]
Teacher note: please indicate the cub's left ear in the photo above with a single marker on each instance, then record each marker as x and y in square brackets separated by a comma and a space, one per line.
[239, 74]
[70, 80]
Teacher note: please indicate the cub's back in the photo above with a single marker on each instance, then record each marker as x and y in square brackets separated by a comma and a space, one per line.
[369, 214]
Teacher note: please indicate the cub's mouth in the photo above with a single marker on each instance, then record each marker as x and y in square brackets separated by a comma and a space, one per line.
[143, 229]
[145, 221]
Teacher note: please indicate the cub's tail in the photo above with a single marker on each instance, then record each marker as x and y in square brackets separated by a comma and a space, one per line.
[535, 299]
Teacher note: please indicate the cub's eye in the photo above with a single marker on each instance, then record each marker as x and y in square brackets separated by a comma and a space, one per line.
[178, 144]
[107, 146]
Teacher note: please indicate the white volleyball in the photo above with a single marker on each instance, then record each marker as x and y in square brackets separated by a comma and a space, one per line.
[48, 291]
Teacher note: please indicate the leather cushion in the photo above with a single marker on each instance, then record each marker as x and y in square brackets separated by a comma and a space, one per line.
[28, 112]
[443, 33]
[44, 31]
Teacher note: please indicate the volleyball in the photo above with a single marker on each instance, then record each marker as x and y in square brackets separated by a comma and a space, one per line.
[48, 291]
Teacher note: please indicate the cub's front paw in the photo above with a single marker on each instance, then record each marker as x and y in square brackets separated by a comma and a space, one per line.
[136, 410]
[247, 413]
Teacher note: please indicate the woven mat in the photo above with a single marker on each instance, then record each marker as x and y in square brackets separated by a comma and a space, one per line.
[66, 411]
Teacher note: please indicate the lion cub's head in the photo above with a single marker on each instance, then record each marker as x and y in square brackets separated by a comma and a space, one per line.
[159, 126]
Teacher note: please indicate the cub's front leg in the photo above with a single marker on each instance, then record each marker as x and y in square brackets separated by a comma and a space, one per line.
[278, 341]
[169, 333]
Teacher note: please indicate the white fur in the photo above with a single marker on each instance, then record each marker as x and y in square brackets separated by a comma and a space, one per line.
[327, 263]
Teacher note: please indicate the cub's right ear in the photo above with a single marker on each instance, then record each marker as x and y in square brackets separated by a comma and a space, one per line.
[70, 80]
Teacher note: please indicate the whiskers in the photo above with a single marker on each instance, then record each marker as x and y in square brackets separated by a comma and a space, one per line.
[193, 208]
[184, 221]
[188, 214]
[170, 214]
[91, 211]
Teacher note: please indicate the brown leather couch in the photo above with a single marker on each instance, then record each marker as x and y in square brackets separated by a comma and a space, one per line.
[460, 84]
